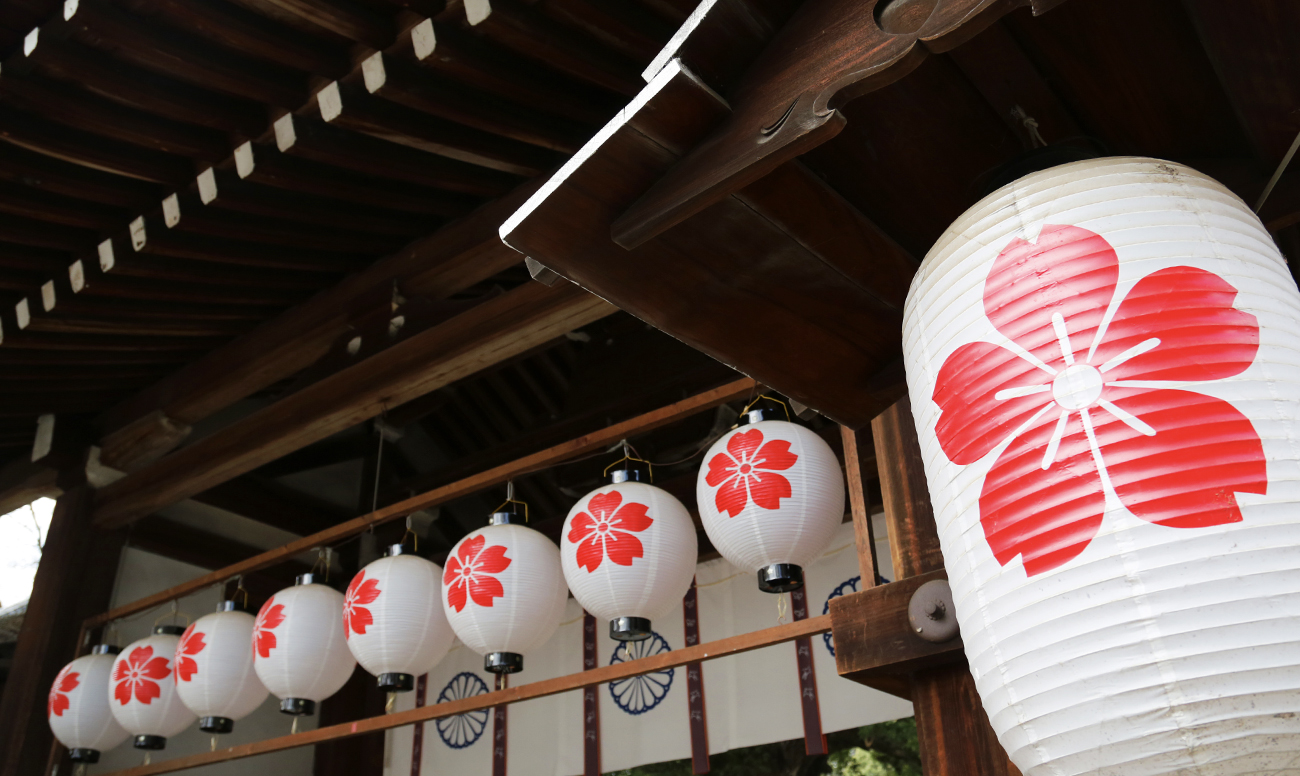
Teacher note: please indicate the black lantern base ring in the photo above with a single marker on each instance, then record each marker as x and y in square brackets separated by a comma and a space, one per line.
[83, 755]
[629, 629]
[150, 742]
[503, 662]
[780, 578]
[298, 707]
[396, 682]
[216, 724]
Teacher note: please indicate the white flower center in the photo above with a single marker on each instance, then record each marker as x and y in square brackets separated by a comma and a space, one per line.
[1077, 386]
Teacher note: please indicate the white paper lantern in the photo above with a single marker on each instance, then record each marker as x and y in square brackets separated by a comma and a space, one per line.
[503, 592]
[1103, 360]
[142, 691]
[299, 651]
[628, 551]
[771, 496]
[393, 619]
[78, 708]
[214, 669]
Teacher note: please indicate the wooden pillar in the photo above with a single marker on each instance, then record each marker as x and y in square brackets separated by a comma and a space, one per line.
[858, 456]
[954, 731]
[74, 581]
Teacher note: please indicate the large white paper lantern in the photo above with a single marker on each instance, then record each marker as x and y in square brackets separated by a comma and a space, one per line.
[142, 691]
[1103, 361]
[503, 591]
[771, 496]
[299, 651]
[628, 551]
[78, 708]
[393, 619]
[214, 669]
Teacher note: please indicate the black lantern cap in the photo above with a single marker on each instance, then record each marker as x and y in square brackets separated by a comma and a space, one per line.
[629, 629]
[298, 707]
[153, 743]
[780, 578]
[304, 579]
[396, 549]
[396, 682]
[169, 630]
[105, 649]
[216, 724]
[503, 662]
[230, 606]
[508, 514]
[83, 755]
[630, 470]
[761, 409]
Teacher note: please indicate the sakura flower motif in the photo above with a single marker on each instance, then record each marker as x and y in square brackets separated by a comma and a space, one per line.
[747, 472]
[608, 530]
[268, 618]
[356, 618]
[1081, 400]
[134, 675]
[65, 682]
[468, 573]
[191, 643]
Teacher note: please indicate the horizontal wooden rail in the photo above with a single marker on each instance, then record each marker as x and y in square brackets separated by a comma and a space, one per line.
[745, 642]
[463, 487]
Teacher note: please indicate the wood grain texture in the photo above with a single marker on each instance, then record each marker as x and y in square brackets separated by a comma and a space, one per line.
[859, 455]
[913, 537]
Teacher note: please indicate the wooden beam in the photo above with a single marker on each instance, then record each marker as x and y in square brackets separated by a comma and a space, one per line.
[874, 639]
[353, 20]
[34, 133]
[492, 331]
[170, 539]
[272, 503]
[913, 538]
[22, 481]
[857, 458]
[586, 443]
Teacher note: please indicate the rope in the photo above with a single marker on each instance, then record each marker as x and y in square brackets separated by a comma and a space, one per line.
[1031, 126]
[1277, 174]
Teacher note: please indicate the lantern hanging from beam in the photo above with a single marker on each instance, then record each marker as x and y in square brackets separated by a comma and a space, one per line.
[628, 551]
[503, 591]
[214, 669]
[142, 692]
[78, 706]
[393, 619]
[299, 651]
[771, 496]
[1103, 360]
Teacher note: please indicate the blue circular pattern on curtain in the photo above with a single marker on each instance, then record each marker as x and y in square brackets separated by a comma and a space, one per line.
[847, 586]
[462, 730]
[639, 694]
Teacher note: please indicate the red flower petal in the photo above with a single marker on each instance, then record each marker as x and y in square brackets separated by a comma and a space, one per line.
[583, 524]
[450, 573]
[483, 589]
[775, 456]
[602, 505]
[156, 668]
[972, 420]
[1045, 516]
[622, 548]
[732, 496]
[146, 691]
[470, 548]
[69, 681]
[352, 586]
[722, 467]
[742, 446]
[368, 592]
[270, 618]
[456, 594]
[493, 560]
[59, 704]
[632, 517]
[767, 489]
[1203, 452]
[358, 620]
[121, 669]
[139, 656]
[185, 669]
[1202, 336]
[1070, 271]
[123, 690]
[591, 552]
[191, 642]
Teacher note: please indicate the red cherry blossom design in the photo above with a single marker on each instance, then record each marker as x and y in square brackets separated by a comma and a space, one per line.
[191, 643]
[268, 618]
[610, 531]
[134, 673]
[1076, 403]
[360, 591]
[65, 682]
[468, 572]
[747, 472]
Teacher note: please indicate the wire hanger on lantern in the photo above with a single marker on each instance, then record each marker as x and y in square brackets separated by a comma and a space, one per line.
[628, 455]
[324, 557]
[510, 499]
[173, 614]
[763, 396]
[410, 531]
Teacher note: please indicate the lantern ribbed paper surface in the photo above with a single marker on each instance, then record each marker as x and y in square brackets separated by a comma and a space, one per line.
[503, 590]
[393, 616]
[142, 691]
[628, 550]
[214, 667]
[770, 492]
[78, 707]
[1103, 361]
[298, 645]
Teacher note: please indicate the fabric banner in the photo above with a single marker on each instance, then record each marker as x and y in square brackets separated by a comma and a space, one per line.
[752, 698]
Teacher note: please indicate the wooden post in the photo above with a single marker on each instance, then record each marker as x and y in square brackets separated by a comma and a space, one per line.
[74, 580]
[857, 455]
[954, 731]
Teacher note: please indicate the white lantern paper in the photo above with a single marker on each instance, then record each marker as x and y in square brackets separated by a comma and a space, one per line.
[771, 496]
[299, 651]
[78, 708]
[503, 592]
[393, 619]
[628, 550]
[1103, 361]
[142, 691]
[214, 669]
